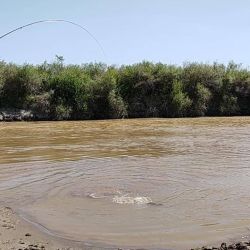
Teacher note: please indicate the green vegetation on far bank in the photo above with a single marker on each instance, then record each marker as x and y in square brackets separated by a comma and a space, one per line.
[96, 91]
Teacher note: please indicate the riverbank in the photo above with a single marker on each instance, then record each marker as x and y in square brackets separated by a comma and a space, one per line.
[16, 115]
[235, 246]
[17, 234]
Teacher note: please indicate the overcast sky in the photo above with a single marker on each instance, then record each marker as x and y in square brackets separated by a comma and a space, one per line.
[170, 31]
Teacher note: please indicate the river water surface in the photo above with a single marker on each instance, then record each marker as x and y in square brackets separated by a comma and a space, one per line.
[152, 183]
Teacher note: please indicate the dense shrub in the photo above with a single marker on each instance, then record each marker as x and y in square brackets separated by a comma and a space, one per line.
[96, 91]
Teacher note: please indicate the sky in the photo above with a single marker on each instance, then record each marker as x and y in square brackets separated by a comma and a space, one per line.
[130, 31]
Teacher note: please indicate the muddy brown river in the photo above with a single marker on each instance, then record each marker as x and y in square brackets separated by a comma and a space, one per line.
[143, 183]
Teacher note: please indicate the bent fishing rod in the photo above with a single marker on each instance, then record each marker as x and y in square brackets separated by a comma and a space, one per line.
[55, 21]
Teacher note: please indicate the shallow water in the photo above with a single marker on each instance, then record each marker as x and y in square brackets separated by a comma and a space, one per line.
[154, 183]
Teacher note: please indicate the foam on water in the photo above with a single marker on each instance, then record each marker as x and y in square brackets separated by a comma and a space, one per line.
[121, 198]
[131, 200]
[95, 196]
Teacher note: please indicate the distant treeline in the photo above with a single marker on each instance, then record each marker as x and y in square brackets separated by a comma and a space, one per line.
[54, 91]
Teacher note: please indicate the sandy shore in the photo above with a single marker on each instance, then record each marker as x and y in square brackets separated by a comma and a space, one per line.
[17, 234]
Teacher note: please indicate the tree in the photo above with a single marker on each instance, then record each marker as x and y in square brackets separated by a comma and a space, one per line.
[180, 102]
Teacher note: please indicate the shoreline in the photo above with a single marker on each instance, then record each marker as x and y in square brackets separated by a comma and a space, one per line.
[21, 115]
[17, 233]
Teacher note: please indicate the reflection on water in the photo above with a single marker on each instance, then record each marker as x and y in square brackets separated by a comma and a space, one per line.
[155, 183]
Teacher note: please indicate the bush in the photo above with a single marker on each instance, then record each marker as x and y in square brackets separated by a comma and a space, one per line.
[97, 91]
[180, 101]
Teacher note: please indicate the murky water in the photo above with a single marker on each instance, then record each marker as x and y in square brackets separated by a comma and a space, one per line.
[154, 183]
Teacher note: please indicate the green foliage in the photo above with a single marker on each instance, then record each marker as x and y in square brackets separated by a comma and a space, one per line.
[146, 88]
[17, 83]
[40, 105]
[97, 91]
[180, 101]
[117, 105]
[62, 112]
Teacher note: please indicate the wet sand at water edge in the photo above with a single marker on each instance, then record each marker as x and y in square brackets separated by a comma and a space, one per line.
[18, 234]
